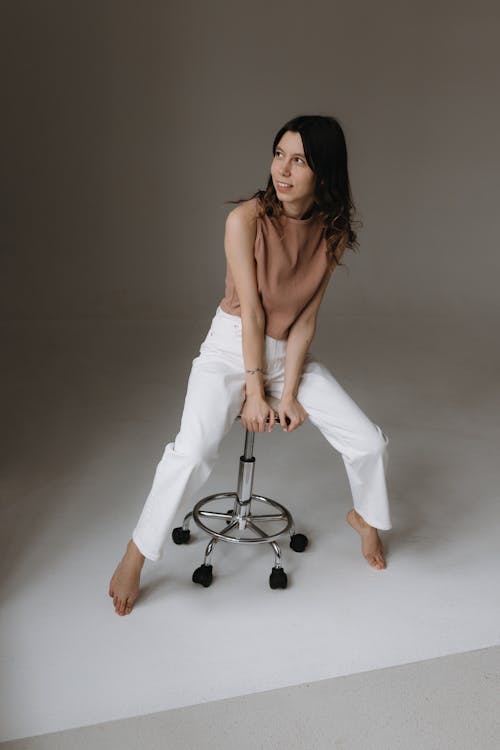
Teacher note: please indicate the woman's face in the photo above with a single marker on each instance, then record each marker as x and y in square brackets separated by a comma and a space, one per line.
[289, 166]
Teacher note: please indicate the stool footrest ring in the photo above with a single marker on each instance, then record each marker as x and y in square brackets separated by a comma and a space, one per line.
[284, 515]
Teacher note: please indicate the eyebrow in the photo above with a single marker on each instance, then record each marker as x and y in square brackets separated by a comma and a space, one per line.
[279, 148]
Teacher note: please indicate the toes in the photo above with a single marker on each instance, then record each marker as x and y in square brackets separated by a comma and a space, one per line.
[122, 606]
[376, 561]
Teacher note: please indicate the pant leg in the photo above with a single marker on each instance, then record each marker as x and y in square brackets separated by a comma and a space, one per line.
[362, 444]
[214, 397]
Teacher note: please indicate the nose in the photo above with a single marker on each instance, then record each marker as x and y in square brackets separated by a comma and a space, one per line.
[285, 170]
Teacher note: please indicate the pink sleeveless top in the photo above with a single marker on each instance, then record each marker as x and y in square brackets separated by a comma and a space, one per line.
[291, 262]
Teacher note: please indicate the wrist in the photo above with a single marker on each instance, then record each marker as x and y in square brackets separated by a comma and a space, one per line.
[255, 393]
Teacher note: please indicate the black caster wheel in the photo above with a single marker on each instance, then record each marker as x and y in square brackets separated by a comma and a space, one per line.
[298, 542]
[180, 535]
[278, 579]
[203, 575]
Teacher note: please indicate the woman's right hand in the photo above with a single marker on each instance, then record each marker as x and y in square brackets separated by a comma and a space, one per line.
[255, 412]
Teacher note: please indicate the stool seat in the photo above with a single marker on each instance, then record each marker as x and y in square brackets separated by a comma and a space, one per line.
[240, 518]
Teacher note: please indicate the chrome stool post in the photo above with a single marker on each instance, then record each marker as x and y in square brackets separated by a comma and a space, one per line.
[241, 518]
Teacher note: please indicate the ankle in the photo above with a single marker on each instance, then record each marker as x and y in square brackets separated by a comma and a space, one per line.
[361, 521]
[134, 552]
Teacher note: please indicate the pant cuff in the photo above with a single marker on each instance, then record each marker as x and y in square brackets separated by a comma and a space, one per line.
[373, 522]
[154, 556]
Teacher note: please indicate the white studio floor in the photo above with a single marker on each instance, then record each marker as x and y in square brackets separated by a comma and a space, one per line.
[89, 406]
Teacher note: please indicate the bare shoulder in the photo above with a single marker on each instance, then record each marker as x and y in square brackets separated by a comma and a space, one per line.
[241, 231]
[245, 213]
[239, 243]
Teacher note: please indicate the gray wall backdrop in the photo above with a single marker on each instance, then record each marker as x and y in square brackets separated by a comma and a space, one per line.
[126, 125]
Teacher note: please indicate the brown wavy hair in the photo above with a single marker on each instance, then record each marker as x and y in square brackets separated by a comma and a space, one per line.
[326, 154]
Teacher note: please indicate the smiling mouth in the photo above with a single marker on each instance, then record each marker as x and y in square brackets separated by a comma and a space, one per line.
[283, 185]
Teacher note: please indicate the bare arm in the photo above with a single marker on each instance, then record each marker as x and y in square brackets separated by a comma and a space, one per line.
[239, 242]
[302, 332]
[299, 340]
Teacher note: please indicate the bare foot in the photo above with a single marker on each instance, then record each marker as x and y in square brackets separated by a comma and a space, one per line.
[371, 544]
[124, 584]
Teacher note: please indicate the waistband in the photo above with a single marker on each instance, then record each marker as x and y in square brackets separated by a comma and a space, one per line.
[222, 313]
[279, 344]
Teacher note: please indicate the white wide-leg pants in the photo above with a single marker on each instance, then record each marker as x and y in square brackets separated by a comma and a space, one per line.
[214, 398]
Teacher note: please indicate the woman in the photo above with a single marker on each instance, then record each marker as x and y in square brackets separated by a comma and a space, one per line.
[282, 246]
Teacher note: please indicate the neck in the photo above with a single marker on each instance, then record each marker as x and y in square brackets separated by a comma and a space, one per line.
[298, 212]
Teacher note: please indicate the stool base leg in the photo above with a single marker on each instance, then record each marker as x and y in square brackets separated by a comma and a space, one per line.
[241, 516]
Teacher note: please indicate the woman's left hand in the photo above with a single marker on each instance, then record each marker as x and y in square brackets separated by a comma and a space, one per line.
[291, 408]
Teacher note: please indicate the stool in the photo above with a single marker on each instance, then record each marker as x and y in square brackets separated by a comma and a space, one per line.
[241, 518]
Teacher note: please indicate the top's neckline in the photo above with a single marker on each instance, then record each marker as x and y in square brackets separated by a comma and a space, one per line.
[297, 221]
[292, 220]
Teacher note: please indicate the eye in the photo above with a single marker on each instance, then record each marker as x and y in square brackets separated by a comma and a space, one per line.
[297, 158]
